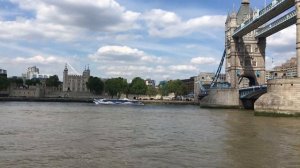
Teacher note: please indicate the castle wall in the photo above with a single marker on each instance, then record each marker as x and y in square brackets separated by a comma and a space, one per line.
[32, 91]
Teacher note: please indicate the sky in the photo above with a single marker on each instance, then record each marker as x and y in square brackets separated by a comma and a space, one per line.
[157, 39]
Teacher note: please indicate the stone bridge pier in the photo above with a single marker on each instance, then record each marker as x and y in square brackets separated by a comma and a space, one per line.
[283, 96]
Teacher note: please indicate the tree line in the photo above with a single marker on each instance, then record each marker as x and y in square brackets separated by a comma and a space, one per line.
[114, 86]
[117, 86]
[5, 82]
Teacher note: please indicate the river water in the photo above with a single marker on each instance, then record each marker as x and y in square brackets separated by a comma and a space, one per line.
[85, 135]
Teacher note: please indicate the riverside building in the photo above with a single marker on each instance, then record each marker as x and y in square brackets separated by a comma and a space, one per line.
[34, 73]
[3, 73]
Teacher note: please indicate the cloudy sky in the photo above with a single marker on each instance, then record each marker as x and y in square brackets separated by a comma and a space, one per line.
[158, 39]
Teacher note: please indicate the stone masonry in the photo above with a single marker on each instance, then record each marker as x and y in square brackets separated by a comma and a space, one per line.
[245, 57]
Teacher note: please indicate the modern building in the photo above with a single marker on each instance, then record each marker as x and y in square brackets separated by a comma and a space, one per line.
[206, 78]
[34, 73]
[268, 75]
[189, 83]
[75, 83]
[150, 82]
[3, 73]
[286, 70]
[290, 68]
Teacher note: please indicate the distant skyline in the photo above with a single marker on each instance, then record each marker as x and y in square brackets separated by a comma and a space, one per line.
[157, 39]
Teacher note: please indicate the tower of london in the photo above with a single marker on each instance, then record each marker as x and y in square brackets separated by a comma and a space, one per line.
[75, 83]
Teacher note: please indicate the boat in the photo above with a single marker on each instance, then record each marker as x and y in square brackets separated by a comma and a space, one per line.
[124, 101]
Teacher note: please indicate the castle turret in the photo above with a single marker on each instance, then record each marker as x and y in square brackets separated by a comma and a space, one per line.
[244, 12]
[245, 2]
[86, 72]
[65, 78]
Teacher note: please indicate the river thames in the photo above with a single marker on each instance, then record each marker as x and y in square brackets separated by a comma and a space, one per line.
[85, 135]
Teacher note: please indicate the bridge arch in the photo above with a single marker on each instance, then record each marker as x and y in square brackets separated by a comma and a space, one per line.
[247, 80]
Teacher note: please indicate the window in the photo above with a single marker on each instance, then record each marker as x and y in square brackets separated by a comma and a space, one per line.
[248, 48]
[247, 62]
[254, 63]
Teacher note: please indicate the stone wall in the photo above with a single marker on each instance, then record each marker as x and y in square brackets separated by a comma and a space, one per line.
[282, 98]
[221, 98]
[32, 91]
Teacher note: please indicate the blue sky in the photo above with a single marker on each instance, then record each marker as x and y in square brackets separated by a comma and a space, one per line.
[158, 39]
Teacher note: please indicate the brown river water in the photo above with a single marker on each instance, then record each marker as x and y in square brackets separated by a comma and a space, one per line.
[75, 135]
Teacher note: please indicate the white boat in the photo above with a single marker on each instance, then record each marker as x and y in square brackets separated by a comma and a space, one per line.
[124, 101]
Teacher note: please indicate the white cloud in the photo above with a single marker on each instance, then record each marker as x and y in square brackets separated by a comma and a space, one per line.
[168, 25]
[52, 65]
[286, 37]
[204, 61]
[32, 30]
[182, 68]
[38, 60]
[281, 46]
[67, 20]
[96, 15]
[127, 62]
[122, 54]
[146, 71]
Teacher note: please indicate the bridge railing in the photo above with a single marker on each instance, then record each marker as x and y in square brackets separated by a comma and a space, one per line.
[246, 91]
[272, 5]
[253, 87]
[276, 23]
[259, 14]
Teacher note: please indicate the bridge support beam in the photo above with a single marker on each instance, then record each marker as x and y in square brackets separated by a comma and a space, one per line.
[297, 4]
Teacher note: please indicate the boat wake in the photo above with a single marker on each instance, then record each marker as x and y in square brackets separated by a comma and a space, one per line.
[117, 102]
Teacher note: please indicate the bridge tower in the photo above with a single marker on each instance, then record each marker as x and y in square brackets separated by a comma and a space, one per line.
[245, 56]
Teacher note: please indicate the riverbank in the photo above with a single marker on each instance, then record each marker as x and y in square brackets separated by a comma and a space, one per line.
[169, 102]
[89, 100]
[34, 99]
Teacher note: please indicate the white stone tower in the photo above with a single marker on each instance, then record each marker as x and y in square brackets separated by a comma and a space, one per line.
[65, 79]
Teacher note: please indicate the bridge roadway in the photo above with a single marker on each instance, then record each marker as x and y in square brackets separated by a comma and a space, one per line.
[263, 16]
[280, 24]
[252, 92]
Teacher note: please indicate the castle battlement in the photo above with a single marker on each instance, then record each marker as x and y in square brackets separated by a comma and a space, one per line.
[75, 83]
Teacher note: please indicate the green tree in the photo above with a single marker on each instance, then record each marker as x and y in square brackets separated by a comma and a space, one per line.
[33, 81]
[17, 81]
[162, 88]
[151, 91]
[138, 86]
[177, 87]
[95, 85]
[28, 82]
[53, 81]
[116, 86]
[4, 83]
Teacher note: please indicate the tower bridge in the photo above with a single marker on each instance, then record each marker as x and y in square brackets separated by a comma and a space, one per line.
[245, 43]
